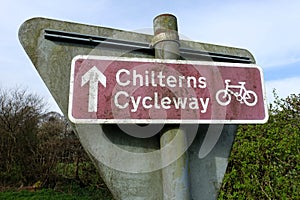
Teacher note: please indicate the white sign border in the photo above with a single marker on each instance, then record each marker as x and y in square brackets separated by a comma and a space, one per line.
[159, 121]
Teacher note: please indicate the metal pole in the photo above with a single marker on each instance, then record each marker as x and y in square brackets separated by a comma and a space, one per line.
[174, 176]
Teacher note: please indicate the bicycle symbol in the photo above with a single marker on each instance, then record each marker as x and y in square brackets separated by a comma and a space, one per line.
[248, 97]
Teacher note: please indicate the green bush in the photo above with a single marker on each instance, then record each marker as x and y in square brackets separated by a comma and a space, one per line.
[265, 159]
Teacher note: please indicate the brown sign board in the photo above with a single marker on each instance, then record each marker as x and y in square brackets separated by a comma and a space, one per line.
[139, 90]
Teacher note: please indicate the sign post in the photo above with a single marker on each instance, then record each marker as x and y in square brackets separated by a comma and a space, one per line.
[175, 179]
[119, 108]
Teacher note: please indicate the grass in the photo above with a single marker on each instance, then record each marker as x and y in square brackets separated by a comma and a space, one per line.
[43, 194]
[72, 192]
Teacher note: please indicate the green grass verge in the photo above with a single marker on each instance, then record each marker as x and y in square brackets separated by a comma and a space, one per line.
[47, 194]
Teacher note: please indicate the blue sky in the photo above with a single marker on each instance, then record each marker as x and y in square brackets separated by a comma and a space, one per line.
[269, 29]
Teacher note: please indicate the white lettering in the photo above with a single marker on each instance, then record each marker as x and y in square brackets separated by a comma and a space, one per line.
[180, 79]
[156, 101]
[118, 77]
[193, 79]
[161, 77]
[179, 103]
[165, 103]
[146, 78]
[171, 81]
[136, 76]
[125, 105]
[153, 79]
[148, 102]
[136, 103]
[204, 104]
[193, 103]
[202, 82]
[145, 105]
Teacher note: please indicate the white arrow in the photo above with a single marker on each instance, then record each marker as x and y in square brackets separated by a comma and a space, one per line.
[93, 76]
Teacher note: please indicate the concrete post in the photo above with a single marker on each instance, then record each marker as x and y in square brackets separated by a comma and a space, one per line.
[174, 176]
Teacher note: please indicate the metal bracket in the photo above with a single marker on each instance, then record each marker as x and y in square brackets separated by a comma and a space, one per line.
[164, 36]
[93, 40]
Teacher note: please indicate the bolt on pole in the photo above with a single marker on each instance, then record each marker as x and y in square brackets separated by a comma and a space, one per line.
[174, 176]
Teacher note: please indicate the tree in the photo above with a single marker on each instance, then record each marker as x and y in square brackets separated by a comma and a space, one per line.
[39, 146]
[64, 159]
[265, 159]
[20, 113]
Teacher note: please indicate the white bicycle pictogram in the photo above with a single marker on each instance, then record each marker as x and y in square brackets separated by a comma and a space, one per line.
[248, 97]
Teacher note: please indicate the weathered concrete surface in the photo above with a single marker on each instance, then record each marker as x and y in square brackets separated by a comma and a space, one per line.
[123, 185]
[207, 173]
[53, 62]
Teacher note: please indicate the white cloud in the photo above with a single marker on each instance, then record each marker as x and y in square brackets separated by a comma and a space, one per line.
[269, 29]
[284, 87]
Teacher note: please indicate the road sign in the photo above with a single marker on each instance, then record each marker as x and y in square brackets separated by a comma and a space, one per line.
[51, 46]
[135, 90]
